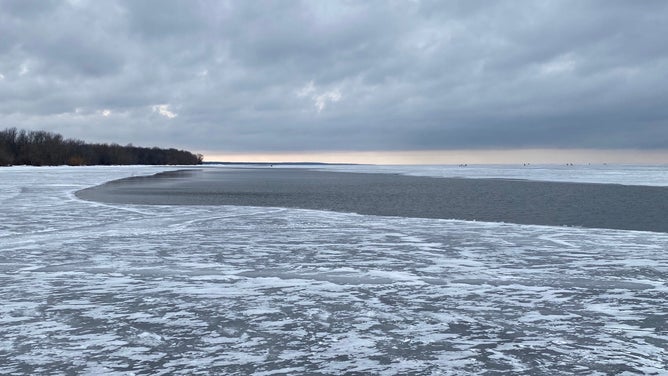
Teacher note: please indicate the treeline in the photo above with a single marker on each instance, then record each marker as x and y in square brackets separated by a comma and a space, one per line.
[39, 148]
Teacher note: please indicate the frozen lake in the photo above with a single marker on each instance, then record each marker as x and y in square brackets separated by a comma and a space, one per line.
[650, 175]
[91, 288]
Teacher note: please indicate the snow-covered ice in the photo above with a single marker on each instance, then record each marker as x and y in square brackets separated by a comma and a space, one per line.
[649, 175]
[90, 288]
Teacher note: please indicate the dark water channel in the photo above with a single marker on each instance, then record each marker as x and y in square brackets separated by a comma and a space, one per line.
[495, 200]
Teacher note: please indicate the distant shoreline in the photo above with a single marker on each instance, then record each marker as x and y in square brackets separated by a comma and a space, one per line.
[590, 205]
[40, 148]
[278, 164]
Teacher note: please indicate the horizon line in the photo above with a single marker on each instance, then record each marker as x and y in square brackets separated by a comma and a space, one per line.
[450, 157]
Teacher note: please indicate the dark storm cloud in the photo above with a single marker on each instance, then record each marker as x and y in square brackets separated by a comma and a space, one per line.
[386, 75]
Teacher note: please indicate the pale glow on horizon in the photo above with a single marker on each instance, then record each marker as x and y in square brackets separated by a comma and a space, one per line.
[517, 156]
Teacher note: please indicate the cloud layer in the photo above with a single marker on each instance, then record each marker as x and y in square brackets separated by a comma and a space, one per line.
[250, 76]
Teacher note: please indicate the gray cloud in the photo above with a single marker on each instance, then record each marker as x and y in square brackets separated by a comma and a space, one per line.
[378, 75]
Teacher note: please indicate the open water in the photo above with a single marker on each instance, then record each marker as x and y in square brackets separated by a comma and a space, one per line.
[613, 206]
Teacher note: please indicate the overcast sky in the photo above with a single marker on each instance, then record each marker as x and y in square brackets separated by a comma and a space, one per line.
[291, 76]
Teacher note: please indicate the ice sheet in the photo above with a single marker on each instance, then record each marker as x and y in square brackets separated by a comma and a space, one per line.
[89, 288]
[651, 175]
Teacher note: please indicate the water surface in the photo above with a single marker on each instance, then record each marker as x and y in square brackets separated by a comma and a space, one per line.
[492, 200]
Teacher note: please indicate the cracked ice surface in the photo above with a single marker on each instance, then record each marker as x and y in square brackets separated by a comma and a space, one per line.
[92, 289]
